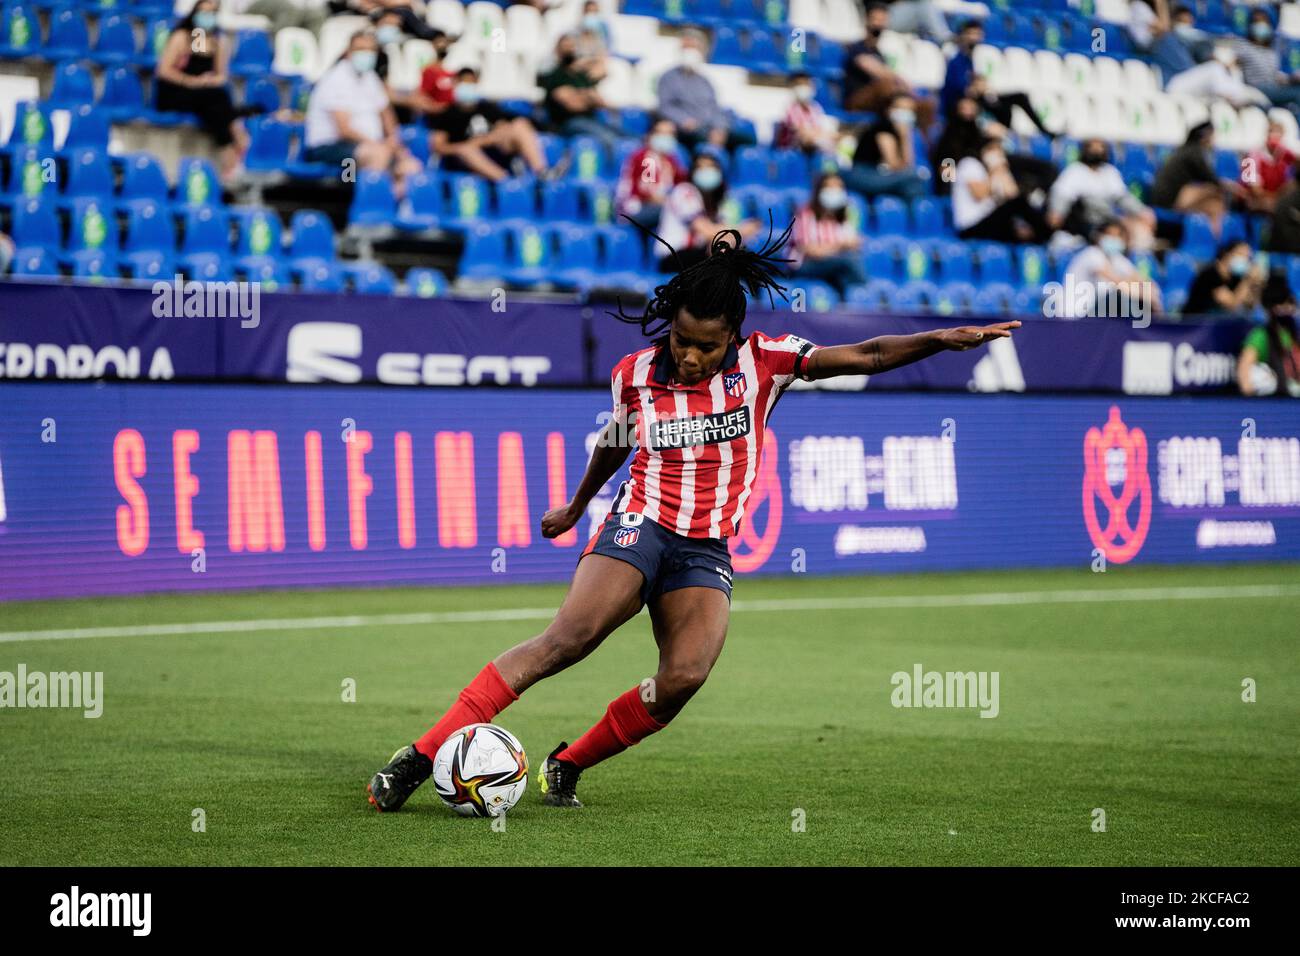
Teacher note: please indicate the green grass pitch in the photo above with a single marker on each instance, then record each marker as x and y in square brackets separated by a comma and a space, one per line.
[1131, 706]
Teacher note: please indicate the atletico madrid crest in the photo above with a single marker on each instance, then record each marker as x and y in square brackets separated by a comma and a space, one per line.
[734, 383]
[626, 537]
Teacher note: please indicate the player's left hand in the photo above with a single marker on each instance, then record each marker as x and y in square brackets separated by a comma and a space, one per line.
[973, 336]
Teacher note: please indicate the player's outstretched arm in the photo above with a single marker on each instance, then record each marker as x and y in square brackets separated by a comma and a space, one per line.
[612, 449]
[893, 351]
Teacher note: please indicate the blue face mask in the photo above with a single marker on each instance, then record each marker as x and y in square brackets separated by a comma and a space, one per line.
[205, 20]
[591, 22]
[387, 35]
[833, 199]
[1112, 245]
[1261, 31]
[467, 93]
[665, 143]
[363, 61]
[1239, 265]
[707, 178]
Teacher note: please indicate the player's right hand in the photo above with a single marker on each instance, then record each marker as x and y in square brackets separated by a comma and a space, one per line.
[559, 520]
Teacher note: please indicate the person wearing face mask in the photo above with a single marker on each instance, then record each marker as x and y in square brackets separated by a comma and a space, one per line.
[593, 33]
[687, 97]
[1101, 276]
[961, 68]
[649, 175]
[1266, 172]
[869, 82]
[1187, 182]
[1230, 284]
[349, 116]
[475, 135]
[693, 214]
[1261, 63]
[824, 245]
[1169, 35]
[572, 100]
[193, 77]
[805, 125]
[410, 12]
[1269, 363]
[987, 202]
[885, 162]
[1091, 191]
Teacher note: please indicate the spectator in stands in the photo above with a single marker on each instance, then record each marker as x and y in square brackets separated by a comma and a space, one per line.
[193, 77]
[1105, 281]
[593, 32]
[286, 13]
[805, 125]
[693, 214]
[961, 68]
[7, 249]
[1261, 63]
[964, 132]
[1284, 232]
[437, 86]
[919, 16]
[477, 135]
[1230, 284]
[869, 83]
[349, 116]
[1169, 36]
[1190, 61]
[572, 100]
[649, 175]
[824, 245]
[410, 11]
[987, 202]
[1265, 172]
[688, 99]
[885, 160]
[1187, 181]
[1270, 354]
[998, 107]
[1090, 192]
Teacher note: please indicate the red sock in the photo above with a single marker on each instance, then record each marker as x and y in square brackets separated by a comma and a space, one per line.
[486, 696]
[626, 722]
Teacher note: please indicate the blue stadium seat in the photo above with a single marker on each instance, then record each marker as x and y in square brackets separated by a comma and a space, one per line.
[791, 167]
[485, 253]
[259, 236]
[726, 48]
[73, 85]
[92, 231]
[321, 277]
[148, 267]
[415, 138]
[87, 129]
[115, 43]
[197, 183]
[123, 96]
[955, 262]
[33, 174]
[761, 54]
[875, 295]
[20, 35]
[467, 201]
[577, 266]
[918, 260]
[32, 261]
[927, 218]
[994, 262]
[1198, 236]
[553, 147]
[560, 202]
[371, 278]
[1180, 270]
[150, 236]
[263, 93]
[882, 263]
[595, 203]
[426, 283]
[995, 298]
[817, 296]
[32, 128]
[422, 207]
[954, 297]
[1028, 300]
[751, 167]
[253, 54]
[891, 216]
[156, 33]
[89, 174]
[268, 146]
[143, 178]
[516, 201]
[269, 274]
[313, 235]
[373, 202]
[94, 265]
[916, 295]
[588, 160]
[1035, 268]
[68, 37]
[531, 255]
[621, 257]
[35, 224]
[205, 248]
[1234, 228]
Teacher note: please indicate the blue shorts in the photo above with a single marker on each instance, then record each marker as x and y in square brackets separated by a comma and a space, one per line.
[666, 560]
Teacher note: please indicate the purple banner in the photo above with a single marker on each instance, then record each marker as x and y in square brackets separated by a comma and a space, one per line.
[59, 331]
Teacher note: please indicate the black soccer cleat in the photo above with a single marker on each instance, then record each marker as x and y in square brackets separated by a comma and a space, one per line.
[558, 780]
[392, 786]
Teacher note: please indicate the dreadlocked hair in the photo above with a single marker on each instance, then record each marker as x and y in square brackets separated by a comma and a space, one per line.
[717, 284]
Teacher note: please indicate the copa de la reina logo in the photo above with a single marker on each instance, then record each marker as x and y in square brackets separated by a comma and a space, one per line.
[1116, 488]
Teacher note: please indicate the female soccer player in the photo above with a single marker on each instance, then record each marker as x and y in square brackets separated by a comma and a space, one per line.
[697, 401]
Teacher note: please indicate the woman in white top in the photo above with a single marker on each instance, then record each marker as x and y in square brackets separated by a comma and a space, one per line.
[1102, 281]
[987, 203]
[692, 215]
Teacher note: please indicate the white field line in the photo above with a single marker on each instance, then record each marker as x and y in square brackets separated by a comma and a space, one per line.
[884, 602]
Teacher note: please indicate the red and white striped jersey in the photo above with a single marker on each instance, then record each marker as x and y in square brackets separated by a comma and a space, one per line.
[699, 446]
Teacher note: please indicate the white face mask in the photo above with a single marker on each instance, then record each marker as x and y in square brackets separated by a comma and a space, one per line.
[692, 58]
[803, 93]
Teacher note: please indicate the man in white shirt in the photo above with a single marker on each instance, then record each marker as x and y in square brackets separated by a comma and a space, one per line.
[1102, 281]
[987, 202]
[349, 117]
[1090, 191]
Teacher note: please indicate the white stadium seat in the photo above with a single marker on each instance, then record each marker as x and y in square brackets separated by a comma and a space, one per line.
[335, 33]
[988, 63]
[1109, 74]
[618, 88]
[1288, 23]
[296, 53]
[1078, 73]
[1140, 77]
[928, 66]
[631, 36]
[1019, 70]
[447, 16]
[1049, 71]
[482, 21]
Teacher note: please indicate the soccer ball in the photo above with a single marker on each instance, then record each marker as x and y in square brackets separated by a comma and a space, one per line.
[481, 771]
